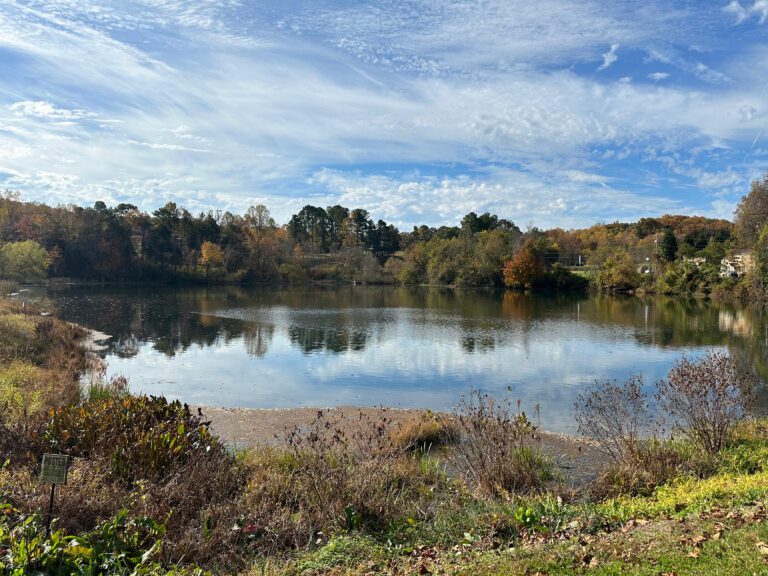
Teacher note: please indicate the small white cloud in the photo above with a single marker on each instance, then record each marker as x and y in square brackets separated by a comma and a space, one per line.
[737, 10]
[584, 177]
[707, 74]
[609, 57]
[658, 76]
[759, 8]
[720, 179]
[185, 133]
[172, 147]
[43, 109]
[696, 68]
[11, 151]
[747, 112]
[625, 80]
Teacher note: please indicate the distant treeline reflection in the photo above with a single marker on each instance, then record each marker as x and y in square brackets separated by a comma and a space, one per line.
[350, 319]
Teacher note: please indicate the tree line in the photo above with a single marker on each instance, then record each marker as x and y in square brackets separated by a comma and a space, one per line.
[336, 243]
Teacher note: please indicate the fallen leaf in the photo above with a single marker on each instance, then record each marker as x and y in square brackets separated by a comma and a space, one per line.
[762, 547]
[699, 540]
[695, 553]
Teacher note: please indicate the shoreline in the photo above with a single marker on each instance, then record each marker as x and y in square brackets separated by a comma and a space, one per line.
[577, 459]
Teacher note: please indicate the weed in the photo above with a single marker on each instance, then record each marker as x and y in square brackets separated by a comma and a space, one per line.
[333, 477]
[497, 454]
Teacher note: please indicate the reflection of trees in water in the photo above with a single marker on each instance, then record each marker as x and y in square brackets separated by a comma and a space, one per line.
[175, 319]
[333, 339]
[257, 338]
[475, 343]
[125, 347]
[748, 344]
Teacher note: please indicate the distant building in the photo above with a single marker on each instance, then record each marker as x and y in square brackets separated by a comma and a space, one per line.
[737, 265]
[697, 261]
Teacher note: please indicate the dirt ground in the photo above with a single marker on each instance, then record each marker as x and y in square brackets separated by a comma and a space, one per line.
[577, 459]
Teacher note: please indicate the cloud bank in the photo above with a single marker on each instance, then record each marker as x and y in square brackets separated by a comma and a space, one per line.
[554, 113]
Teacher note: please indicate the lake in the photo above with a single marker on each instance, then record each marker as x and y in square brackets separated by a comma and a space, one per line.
[405, 347]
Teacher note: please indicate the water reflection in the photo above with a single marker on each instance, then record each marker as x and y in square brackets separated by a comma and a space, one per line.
[410, 347]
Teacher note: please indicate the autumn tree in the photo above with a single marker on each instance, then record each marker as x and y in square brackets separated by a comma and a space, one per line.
[752, 214]
[263, 241]
[526, 268]
[259, 218]
[211, 256]
[618, 273]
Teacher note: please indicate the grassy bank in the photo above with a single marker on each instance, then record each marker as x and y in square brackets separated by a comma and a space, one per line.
[152, 491]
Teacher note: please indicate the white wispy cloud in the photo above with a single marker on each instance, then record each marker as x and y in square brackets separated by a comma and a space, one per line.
[563, 199]
[610, 57]
[289, 103]
[161, 146]
[43, 109]
[758, 8]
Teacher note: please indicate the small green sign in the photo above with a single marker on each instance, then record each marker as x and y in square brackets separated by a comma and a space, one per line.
[54, 470]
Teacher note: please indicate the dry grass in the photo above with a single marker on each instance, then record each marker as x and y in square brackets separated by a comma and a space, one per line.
[425, 431]
[326, 480]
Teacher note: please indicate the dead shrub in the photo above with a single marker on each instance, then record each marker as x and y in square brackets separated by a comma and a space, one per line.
[615, 416]
[497, 453]
[705, 399]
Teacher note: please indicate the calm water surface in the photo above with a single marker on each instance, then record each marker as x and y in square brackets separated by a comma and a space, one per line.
[256, 347]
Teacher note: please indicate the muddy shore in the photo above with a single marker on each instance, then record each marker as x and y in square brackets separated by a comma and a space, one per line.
[576, 459]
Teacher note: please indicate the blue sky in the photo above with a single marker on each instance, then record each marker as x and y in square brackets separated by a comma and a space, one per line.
[546, 112]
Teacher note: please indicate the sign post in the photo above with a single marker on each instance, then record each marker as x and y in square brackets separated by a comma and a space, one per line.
[53, 471]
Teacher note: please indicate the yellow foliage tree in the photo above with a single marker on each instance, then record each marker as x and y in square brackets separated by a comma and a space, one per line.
[211, 256]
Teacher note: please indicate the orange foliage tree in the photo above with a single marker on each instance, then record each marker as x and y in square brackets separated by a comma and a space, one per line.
[525, 268]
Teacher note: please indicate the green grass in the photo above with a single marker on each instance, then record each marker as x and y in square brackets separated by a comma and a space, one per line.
[688, 526]
[704, 544]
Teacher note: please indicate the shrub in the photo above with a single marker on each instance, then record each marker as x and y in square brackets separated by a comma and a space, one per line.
[121, 545]
[496, 454]
[332, 477]
[615, 416]
[618, 274]
[705, 399]
[19, 395]
[144, 437]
